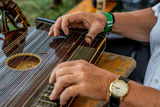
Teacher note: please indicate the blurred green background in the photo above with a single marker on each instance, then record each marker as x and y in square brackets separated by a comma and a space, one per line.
[41, 8]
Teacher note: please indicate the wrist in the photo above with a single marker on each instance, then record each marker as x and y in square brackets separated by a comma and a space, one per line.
[110, 80]
[110, 21]
[119, 88]
[103, 19]
[114, 27]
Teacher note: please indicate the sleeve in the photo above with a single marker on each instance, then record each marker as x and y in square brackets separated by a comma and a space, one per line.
[156, 9]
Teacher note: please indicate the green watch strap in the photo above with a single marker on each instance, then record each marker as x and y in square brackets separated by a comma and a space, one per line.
[109, 22]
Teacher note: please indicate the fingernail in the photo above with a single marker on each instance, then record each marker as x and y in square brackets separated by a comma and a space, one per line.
[52, 97]
[50, 81]
[49, 33]
[66, 33]
[88, 41]
[55, 34]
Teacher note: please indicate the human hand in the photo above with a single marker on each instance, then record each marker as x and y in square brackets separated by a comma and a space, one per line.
[80, 78]
[94, 22]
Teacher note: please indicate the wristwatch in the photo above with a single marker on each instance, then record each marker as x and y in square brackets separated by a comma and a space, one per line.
[118, 89]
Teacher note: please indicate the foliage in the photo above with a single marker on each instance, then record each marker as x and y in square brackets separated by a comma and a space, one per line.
[41, 8]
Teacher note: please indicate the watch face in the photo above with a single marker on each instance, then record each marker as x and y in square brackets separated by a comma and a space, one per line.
[119, 88]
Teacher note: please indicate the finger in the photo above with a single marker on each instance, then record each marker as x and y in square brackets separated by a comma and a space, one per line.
[51, 30]
[62, 83]
[77, 25]
[69, 92]
[65, 24]
[75, 18]
[57, 27]
[91, 34]
[52, 78]
[61, 65]
[89, 38]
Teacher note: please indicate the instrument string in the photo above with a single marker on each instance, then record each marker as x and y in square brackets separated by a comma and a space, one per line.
[48, 57]
[2, 65]
[20, 47]
[54, 65]
[5, 70]
[82, 43]
[20, 38]
[11, 44]
[22, 44]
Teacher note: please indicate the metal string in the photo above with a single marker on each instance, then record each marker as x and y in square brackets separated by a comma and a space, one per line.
[1, 68]
[50, 72]
[48, 58]
[51, 55]
[18, 49]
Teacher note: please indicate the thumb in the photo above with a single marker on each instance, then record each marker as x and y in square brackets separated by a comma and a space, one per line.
[92, 33]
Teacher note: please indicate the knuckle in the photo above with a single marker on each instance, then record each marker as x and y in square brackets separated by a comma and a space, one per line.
[80, 66]
[60, 81]
[60, 18]
[52, 26]
[65, 17]
[64, 26]
[82, 76]
[81, 61]
[58, 73]
[65, 22]
[57, 27]
[60, 65]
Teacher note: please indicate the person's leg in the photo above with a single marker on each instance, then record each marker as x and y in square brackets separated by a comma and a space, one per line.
[55, 3]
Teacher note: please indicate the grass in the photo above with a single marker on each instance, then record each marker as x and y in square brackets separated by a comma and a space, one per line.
[41, 8]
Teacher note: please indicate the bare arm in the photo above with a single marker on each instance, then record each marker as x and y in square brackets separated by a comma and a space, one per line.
[141, 96]
[136, 25]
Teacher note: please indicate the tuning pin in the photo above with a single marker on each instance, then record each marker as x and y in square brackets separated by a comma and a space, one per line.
[20, 25]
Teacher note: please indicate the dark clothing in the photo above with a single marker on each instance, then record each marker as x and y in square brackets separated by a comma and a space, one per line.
[138, 50]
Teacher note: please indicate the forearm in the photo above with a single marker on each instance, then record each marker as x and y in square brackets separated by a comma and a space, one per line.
[136, 25]
[139, 96]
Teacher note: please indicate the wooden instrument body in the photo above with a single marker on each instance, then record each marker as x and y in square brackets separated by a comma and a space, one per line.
[23, 87]
[14, 13]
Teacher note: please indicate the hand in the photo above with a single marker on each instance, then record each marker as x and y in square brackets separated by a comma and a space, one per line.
[95, 23]
[80, 78]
